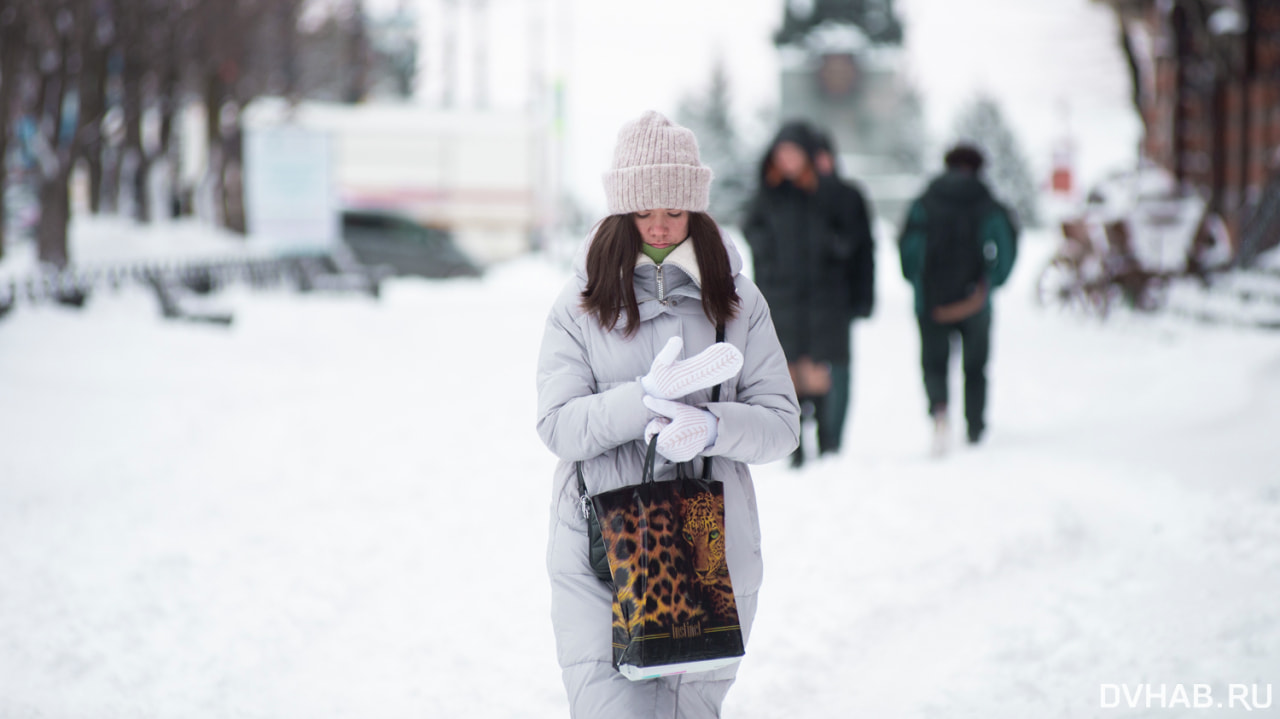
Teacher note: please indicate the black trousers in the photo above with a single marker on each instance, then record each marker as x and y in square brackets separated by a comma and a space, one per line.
[831, 409]
[935, 357]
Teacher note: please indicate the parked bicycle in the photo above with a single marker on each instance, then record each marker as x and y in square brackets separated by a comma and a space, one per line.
[1095, 268]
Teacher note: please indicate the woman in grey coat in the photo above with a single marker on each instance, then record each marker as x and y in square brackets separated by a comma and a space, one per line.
[650, 287]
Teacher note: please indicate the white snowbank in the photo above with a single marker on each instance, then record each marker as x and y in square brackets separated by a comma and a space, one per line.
[116, 241]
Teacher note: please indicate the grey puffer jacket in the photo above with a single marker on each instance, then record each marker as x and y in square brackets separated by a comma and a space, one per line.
[590, 409]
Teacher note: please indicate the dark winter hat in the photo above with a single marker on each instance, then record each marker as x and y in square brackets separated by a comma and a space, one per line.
[799, 132]
[796, 131]
[964, 157]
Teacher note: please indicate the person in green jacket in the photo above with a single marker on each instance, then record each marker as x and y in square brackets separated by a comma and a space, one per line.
[958, 244]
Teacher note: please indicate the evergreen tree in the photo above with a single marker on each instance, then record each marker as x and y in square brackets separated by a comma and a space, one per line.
[720, 145]
[982, 124]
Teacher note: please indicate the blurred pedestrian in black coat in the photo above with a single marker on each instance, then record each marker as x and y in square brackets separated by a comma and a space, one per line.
[802, 243]
[851, 218]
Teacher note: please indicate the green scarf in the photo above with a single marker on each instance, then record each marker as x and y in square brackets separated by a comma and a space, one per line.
[656, 254]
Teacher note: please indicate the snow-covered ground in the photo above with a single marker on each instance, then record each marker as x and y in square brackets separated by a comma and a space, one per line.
[337, 508]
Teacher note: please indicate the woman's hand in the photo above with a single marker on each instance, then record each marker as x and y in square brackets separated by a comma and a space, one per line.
[682, 430]
[670, 378]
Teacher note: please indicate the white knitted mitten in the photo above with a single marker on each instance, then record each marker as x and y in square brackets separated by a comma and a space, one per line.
[670, 378]
[683, 431]
[655, 426]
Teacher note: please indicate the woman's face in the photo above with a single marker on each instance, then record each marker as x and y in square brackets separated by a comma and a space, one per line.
[662, 228]
[790, 159]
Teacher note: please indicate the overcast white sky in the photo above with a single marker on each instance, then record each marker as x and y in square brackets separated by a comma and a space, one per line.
[1045, 60]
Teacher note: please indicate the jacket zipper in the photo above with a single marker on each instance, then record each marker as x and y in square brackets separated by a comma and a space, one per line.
[662, 289]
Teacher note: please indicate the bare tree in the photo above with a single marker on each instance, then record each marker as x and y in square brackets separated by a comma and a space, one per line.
[280, 52]
[104, 82]
[137, 57]
[13, 49]
[53, 27]
[226, 53]
[357, 54]
[152, 60]
[230, 78]
[95, 55]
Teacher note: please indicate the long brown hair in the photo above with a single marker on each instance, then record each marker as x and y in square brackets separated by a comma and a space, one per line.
[611, 264]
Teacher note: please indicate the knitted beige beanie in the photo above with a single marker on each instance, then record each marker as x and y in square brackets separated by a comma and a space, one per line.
[656, 166]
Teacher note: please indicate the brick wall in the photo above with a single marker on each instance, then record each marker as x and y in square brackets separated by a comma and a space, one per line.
[1225, 141]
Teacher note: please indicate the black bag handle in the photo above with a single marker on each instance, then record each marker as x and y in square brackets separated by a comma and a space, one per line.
[650, 455]
[715, 397]
[651, 452]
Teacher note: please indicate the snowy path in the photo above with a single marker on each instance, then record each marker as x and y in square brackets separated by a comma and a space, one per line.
[337, 508]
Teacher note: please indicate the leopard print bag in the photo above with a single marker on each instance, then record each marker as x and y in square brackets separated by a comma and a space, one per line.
[663, 549]
[673, 604]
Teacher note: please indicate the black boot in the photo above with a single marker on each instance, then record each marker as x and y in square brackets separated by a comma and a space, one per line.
[975, 433]
[797, 457]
